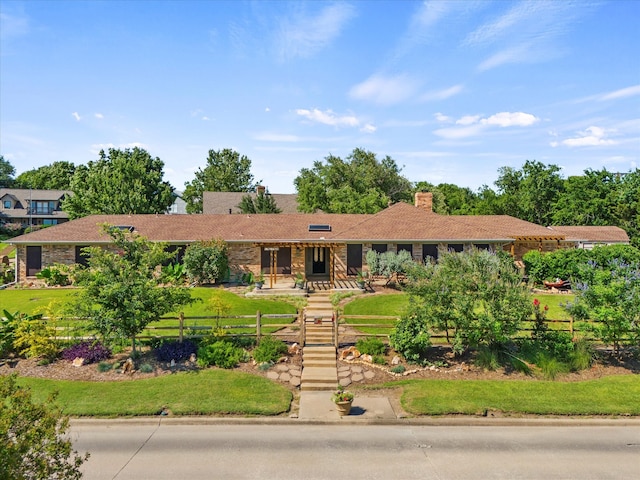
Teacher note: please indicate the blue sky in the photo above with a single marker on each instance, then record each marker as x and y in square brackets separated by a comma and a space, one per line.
[451, 90]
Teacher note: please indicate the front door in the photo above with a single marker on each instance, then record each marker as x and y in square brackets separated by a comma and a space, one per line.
[318, 257]
[34, 260]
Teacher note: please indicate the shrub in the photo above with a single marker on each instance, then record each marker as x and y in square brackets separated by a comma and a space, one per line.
[205, 262]
[92, 352]
[550, 367]
[34, 338]
[146, 368]
[582, 356]
[221, 354]
[104, 367]
[398, 369]
[487, 358]
[270, 349]
[175, 350]
[371, 346]
[55, 275]
[411, 339]
[379, 360]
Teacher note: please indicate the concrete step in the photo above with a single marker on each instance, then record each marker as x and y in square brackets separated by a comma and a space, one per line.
[319, 375]
[319, 387]
[319, 364]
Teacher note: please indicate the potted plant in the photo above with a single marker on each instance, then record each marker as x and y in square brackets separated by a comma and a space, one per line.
[259, 280]
[343, 400]
[299, 280]
[361, 279]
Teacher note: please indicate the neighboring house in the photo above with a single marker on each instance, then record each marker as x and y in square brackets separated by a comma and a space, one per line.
[179, 206]
[32, 207]
[589, 237]
[320, 246]
[227, 202]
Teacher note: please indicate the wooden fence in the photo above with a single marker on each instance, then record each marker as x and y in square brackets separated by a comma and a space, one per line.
[353, 321]
[181, 327]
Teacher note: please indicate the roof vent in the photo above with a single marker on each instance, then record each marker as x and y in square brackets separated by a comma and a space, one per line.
[319, 228]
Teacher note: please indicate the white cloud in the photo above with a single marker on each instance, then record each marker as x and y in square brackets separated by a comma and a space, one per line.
[267, 109]
[455, 133]
[442, 118]
[527, 31]
[13, 25]
[99, 116]
[590, 137]
[622, 93]
[76, 116]
[368, 128]
[205, 118]
[385, 90]
[468, 120]
[441, 94]
[303, 35]
[472, 125]
[511, 119]
[328, 117]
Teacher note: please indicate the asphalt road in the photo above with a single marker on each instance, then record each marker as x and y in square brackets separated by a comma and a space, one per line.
[145, 450]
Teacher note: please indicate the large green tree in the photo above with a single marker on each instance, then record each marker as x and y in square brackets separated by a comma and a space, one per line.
[121, 290]
[119, 182]
[7, 171]
[475, 297]
[530, 193]
[360, 183]
[34, 444]
[56, 176]
[226, 171]
[262, 203]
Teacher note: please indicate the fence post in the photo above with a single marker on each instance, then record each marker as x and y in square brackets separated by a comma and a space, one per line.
[258, 327]
[181, 326]
[335, 329]
[302, 327]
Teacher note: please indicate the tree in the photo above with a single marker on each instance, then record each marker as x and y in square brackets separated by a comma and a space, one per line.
[7, 171]
[611, 297]
[458, 200]
[119, 182]
[628, 206]
[121, 290]
[56, 176]
[531, 193]
[262, 203]
[226, 171]
[475, 297]
[206, 262]
[33, 440]
[359, 184]
[439, 203]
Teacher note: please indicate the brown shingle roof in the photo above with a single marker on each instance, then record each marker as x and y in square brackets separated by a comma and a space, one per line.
[222, 202]
[399, 223]
[594, 234]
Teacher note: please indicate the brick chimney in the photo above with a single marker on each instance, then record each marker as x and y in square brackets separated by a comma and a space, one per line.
[424, 200]
[260, 189]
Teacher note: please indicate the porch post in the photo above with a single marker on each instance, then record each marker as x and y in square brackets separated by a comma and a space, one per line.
[331, 265]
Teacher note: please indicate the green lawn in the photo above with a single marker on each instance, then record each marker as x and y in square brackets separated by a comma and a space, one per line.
[12, 253]
[616, 395]
[36, 300]
[207, 392]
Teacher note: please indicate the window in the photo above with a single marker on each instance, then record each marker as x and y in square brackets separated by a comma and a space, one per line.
[43, 207]
[354, 258]
[319, 228]
[49, 221]
[82, 257]
[379, 247]
[429, 250]
[283, 260]
[7, 204]
[407, 247]
[455, 247]
[481, 246]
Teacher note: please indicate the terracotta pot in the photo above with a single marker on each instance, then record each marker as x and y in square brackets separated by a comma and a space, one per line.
[344, 407]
